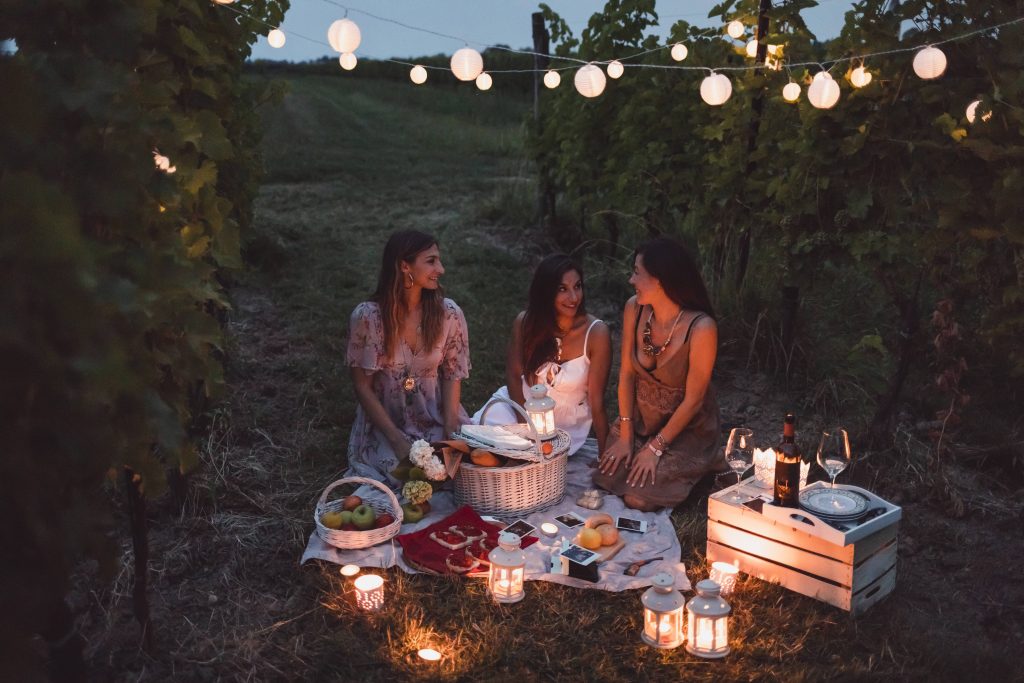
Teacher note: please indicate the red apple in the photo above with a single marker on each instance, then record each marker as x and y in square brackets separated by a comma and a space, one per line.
[351, 503]
[349, 527]
[383, 521]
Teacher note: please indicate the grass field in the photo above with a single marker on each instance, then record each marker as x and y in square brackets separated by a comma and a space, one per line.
[348, 162]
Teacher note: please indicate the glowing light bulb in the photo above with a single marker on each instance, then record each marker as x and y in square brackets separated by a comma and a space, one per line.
[276, 38]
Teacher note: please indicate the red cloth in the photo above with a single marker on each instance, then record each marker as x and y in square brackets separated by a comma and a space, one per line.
[423, 552]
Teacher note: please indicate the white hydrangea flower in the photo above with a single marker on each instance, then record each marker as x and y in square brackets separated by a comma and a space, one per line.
[420, 452]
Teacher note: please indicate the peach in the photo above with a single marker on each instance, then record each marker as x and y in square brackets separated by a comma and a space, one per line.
[609, 534]
[590, 539]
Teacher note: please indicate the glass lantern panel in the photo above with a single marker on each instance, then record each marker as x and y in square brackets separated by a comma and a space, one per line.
[721, 633]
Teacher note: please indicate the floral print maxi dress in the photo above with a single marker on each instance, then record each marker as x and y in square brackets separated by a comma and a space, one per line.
[417, 412]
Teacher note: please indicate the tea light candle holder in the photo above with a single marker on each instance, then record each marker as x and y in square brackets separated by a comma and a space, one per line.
[549, 529]
[429, 654]
[764, 468]
[369, 592]
[724, 574]
[350, 570]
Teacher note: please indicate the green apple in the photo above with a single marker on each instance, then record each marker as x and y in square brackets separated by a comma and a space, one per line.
[346, 516]
[417, 474]
[411, 513]
[364, 517]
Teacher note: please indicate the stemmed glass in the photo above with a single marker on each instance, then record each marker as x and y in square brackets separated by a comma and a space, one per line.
[739, 453]
[834, 454]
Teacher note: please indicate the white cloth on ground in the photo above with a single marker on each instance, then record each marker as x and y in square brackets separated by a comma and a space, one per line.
[659, 541]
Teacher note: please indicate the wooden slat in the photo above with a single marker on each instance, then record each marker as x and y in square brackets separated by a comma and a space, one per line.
[780, 553]
[874, 593]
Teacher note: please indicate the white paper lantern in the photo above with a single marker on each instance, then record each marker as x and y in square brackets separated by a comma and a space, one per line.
[735, 28]
[860, 77]
[715, 89]
[791, 92]
[418, 75]
[823, 93]
[679, 52]
[822, 74]
[348, 61]
[484, 81]
[552, 78]
[972, 111]
[276, 38]
[752, 48]
[223, 2]
[344, 36]
[589, 80]
[929, 63]
[615, 68]
[467, 64]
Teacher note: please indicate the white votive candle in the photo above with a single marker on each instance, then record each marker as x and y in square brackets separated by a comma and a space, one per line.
[549, 529]
[350, 570]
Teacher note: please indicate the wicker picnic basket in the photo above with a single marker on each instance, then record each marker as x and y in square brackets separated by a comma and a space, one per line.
[537, 484]
[353, 540]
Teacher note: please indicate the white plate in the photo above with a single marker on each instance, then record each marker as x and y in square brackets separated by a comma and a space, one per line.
[497, 436]
[845, 504]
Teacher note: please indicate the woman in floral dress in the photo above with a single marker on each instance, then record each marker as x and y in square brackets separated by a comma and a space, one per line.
[408, 351]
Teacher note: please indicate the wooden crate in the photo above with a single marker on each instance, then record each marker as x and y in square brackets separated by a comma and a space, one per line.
[852, 570]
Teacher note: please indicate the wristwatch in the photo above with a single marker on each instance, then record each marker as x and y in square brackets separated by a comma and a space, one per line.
[654, 449]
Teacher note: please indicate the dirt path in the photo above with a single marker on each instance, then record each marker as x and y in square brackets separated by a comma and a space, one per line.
[231, 603]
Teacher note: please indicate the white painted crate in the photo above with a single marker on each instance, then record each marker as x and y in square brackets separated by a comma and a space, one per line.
[852, 570]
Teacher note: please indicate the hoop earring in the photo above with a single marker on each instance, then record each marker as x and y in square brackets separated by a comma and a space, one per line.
[409, 286]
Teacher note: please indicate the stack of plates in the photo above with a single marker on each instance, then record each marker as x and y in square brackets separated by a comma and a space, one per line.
[834, 505]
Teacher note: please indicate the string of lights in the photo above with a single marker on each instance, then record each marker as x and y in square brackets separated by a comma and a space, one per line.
[466, 64]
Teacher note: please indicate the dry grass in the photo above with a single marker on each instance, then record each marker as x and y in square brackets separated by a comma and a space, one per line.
[230, 601]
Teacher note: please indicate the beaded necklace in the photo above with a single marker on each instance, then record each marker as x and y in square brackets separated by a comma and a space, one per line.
[648, 347]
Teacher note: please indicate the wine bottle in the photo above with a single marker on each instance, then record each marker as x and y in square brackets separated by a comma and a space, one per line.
[787, 467]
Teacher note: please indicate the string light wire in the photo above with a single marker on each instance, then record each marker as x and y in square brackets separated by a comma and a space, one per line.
[677, 67]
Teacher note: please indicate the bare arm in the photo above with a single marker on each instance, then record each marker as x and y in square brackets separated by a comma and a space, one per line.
[514, 363]
[703, 351]
[362, 380]
[600, 351]
[451, 395]
[621, 452]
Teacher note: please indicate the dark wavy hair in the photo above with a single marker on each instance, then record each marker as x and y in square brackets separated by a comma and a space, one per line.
[540, 324]
[406, 245]
[670, 262]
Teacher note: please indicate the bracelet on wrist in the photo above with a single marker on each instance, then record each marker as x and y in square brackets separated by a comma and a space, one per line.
[661, 440]
[623, 418]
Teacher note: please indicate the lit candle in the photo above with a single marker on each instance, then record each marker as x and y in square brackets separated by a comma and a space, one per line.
[429, 654]
[350, 570]
[549, 529]
[724, 574]
[369, 592]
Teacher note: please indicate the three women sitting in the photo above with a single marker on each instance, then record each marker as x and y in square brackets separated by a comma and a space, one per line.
[408, 351]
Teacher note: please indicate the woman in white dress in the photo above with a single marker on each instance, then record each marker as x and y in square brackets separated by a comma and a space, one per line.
[555, 342]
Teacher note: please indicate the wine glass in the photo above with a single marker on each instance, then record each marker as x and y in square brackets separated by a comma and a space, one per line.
[739, 453]
[834, 454]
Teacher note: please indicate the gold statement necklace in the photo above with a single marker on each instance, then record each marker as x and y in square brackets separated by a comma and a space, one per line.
[648, 347]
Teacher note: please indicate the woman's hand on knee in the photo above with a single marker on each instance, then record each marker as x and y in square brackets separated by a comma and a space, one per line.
[619, 453]
[644, 466]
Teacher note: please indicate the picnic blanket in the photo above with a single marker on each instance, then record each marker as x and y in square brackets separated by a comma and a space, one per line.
[659, 541]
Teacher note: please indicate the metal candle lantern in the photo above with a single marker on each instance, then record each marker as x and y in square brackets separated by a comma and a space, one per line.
[508, 566]
[707, 622]
[663, 613]
[369, 592]
[541, 409]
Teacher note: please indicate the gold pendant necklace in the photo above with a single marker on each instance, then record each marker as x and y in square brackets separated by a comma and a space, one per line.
[648, 347]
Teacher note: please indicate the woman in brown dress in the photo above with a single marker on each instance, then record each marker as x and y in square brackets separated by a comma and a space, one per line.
[666, 438]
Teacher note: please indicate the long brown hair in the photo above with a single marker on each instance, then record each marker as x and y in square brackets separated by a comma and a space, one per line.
[405, 246]
[671, 264]
[540, 324]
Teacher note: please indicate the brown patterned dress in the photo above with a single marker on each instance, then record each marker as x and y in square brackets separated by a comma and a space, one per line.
[692, 454]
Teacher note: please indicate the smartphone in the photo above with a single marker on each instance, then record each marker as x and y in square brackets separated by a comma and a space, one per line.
[520, 528]
[630, 524]
[570, 520]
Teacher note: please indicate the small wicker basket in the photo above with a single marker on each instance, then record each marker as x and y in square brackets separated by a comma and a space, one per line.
[537, 484]
[353, 540]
